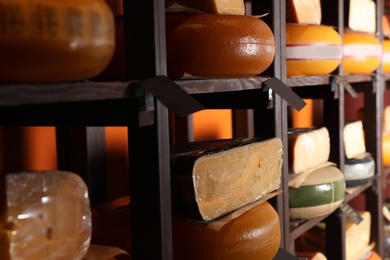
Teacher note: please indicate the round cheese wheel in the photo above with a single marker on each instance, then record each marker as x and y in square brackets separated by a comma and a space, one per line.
[253, 235]
[320, 194]
[359, 170]
[386, 149]
[54, 41]
[386, 56]
[362, 52]
[312, 49]
[217, 45]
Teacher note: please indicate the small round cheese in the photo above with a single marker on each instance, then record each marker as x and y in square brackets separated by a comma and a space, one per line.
[386, 56]
[217, 45]
[362, 52]
[54, 41]
[312, 49]
[359, 170]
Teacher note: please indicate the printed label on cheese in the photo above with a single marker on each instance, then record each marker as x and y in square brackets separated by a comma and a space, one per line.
[314, 52]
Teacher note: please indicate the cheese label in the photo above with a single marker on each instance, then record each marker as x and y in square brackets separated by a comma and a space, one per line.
[314, 52]
[351, 213]
[362, 50]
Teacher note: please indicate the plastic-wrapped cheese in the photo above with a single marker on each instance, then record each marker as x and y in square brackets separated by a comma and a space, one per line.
[312, 49]
[308, 147]
[235, 7]
[303, 11]
[320, 194]
[354, 142]
[362, 52]
[253, 235]
[46, 215]
[54, 41]
[217, 45]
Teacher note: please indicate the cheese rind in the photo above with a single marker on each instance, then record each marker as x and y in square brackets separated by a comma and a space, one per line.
[213, 178]
[308, 147]
[354, 142]
[359, 170]
[235, 7]
[48, 216]
[303, 11]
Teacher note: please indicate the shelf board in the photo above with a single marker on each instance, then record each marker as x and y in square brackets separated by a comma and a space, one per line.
[308, 81]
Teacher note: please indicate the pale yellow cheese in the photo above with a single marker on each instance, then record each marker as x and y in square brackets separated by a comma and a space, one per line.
[354, 142]
[303, 11]
[235, 7]
[47, 216]
[308, 148]
[357, 235]
[362, 16]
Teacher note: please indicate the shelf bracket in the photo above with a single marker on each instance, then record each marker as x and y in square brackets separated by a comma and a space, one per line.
[336, 81]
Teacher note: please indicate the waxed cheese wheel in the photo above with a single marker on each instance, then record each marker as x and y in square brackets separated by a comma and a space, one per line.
[217, 45]
[362, 52]
[312, 49]
[359, 170]
[320, 194]
[386, 56]
[386, 149]
[253, 235]
[54, 41]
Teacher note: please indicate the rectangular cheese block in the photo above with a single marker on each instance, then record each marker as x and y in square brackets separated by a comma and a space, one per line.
[303, 11]
[308, 147]
[213, 178]
[360, 15]
[354, 142]
[44, 215]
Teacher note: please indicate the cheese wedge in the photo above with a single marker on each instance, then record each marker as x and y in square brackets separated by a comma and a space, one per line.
[303, 11]
[213, 178]
[320, 194]
[47, 216]
[308, 147]
[235, 7]
[361, 15]
[354, 142]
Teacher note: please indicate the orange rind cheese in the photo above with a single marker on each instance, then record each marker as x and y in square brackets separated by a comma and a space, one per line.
[312, 50]
[386, 56]
[362, 52]
[217, 45]
[54, 41]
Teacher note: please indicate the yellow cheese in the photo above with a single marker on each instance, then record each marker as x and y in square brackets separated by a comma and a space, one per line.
[235, 7]
[386, 56]
[354, 143]
[361, 15]
[303, 11]
[54, 41]
[308, 147]
[47, 216]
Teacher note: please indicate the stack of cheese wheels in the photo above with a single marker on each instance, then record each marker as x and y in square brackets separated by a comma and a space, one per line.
[253, 235]
[312, 49]
[54, 41]
[217, 45]
[362, 52]
[386, 56]
[320, 194]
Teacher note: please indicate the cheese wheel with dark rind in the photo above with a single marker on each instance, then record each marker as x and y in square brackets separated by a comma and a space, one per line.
[216, 45]
[54, 41]
[362, 52]
[312, 49]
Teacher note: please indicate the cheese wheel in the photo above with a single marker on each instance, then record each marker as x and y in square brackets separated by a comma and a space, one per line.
[216, 45]
[320, 194]
[312, 49]
[253, 235]
[359, 170]
[54, 41]
[235, 7]
[386, 56]
[386, 149]
[362, 52]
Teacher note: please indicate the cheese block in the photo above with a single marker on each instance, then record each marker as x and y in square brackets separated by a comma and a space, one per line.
[303, 11]
[256, 233]
[46, 216]
[354, 141]
[359, 170]
[310, 256]
[217, 45]
[360, 15]
[320, 194]
[362, 52]
[54, 41]
[253, 235]
[386, 56]
[213, 178]
[308, 147]
[312, 49]
[235, 7]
